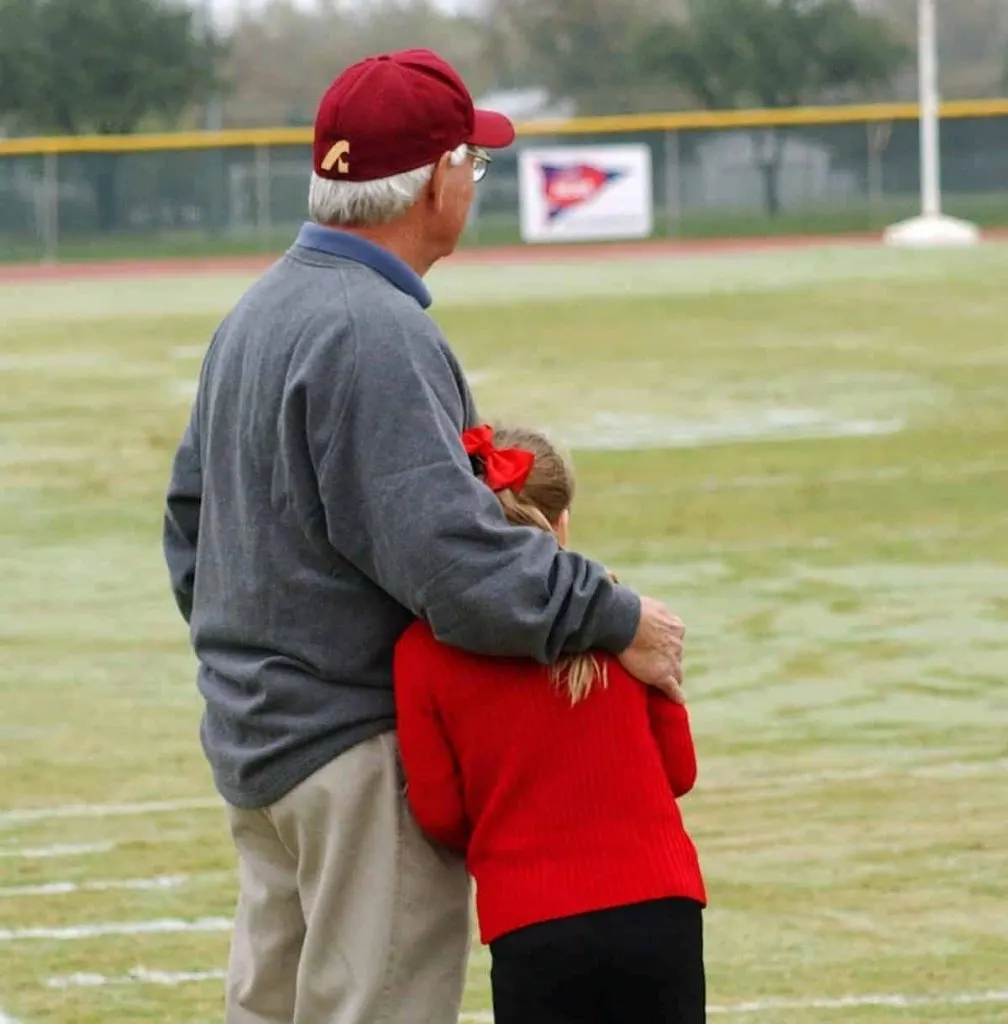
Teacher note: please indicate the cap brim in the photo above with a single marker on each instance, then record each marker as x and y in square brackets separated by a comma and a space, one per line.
[492, 130]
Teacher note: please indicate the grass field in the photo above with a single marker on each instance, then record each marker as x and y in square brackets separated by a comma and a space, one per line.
[805, 453]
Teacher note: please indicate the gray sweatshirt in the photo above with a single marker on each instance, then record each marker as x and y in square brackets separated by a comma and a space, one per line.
[321, 499]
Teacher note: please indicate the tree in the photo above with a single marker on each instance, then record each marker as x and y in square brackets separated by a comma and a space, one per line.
[580, 50]
[971, 41]
[283, 55]
[19, 46]
[104, 66]
[773, 53]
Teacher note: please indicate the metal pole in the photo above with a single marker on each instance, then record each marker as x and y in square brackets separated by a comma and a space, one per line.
[931, 228]
[673, 185]
[878, 139]
[262, 177]
[50, 212]
[927, 70]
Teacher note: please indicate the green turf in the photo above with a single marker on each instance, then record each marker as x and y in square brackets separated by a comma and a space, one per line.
[806, 454]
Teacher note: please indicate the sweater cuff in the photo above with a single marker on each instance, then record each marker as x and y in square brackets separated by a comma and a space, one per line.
[618, 622]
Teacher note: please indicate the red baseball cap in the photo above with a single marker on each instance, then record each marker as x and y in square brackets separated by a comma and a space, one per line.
[395, 112]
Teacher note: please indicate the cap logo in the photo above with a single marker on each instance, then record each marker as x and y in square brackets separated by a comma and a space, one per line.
[338, 157]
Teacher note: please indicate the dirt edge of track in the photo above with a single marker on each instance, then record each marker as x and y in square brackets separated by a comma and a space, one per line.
[511, 254]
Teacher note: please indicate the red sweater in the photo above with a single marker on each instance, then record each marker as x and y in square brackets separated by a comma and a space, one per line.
[558, 810]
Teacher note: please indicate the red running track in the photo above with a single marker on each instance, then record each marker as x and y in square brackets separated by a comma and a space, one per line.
[189, 266]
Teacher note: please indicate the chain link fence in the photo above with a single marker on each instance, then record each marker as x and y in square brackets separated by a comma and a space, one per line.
[196, 198]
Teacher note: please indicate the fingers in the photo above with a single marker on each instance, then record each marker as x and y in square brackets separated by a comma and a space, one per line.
[671, 684]
[655, 656]
[670, 688]
[675, 693]
[674, 688]
[659, 670]
[673, 643]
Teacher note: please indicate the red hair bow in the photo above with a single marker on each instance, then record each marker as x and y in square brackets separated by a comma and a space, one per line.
[505, 469]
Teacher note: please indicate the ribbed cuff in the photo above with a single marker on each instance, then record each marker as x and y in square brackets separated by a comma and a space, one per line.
[619, 621]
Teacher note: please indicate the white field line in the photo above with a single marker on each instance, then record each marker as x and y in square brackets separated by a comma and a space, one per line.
[6, 1018]
[780, 426]
[714, 485]
[895, 1001]
[164, 926]
[159, 883]
[146, 976]
[50, 852]
[137, 976]
[936, 771]
[28, 815]
[888, 536]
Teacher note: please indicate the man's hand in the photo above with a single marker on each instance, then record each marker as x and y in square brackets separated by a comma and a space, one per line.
[655, 656]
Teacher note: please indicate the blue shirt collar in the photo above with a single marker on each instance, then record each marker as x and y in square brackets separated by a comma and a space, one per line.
[360, 250]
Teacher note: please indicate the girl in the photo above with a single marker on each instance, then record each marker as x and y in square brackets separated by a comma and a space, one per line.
[559, 786]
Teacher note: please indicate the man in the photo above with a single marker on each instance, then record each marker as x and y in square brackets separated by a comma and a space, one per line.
[320, 499]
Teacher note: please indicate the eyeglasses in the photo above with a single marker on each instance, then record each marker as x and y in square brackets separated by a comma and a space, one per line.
[480, 162]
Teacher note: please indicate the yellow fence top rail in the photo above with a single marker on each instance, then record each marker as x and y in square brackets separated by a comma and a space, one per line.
[696, 120]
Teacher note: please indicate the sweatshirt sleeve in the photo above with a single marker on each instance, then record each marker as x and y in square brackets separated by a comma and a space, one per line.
[671, 728]
[433, 781]
[402, 503]
[181, 519]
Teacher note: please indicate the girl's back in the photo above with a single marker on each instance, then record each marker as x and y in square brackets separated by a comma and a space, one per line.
[560, 809]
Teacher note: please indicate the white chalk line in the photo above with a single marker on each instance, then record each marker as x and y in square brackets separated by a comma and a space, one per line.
[137, 976]
[189, 351]
[622, 431]
[28, 815]
[894, 1001]
[715, 485]
[172, 979]
[825, 543]
[146, 976]
[52, 852]
[157, 883]
[70, 933]
[936, 770]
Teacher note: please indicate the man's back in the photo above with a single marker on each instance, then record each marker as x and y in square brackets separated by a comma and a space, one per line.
[294, 640]
[321, 494]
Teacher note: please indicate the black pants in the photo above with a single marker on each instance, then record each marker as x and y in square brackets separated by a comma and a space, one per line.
[640, 964]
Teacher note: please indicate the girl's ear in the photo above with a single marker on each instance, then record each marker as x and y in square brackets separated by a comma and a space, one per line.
[562, 528]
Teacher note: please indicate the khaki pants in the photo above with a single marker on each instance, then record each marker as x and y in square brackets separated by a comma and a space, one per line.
[346, 914]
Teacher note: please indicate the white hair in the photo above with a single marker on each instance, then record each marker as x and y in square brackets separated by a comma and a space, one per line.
[363, 203]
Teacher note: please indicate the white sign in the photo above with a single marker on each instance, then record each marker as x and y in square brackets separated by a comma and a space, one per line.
[579, 193]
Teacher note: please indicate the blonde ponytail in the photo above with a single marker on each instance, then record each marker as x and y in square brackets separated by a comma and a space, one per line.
[578, 675]
[522, 512]
[547, 494]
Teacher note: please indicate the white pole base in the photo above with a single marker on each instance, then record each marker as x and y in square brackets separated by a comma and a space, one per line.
[932, 233]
